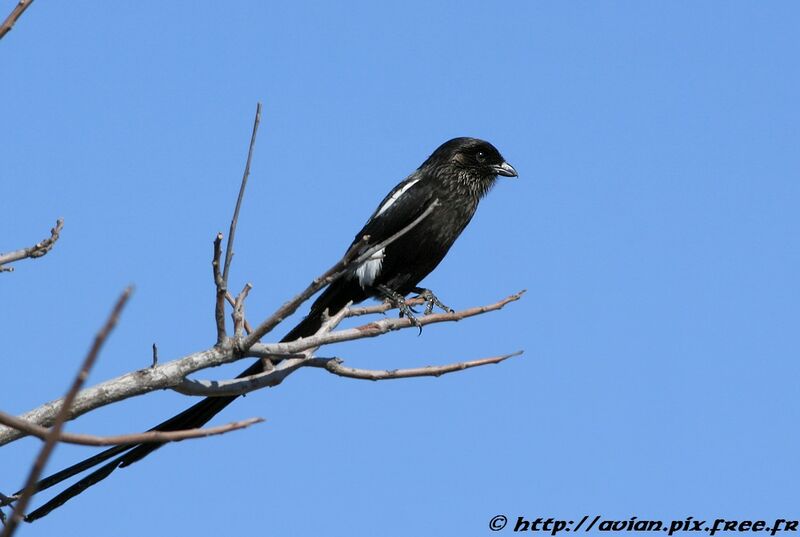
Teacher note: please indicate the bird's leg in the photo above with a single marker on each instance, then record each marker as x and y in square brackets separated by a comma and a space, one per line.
[399, 301]
[431, 300]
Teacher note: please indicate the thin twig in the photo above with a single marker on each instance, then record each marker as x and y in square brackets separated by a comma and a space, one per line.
[350, 259]
[334, 365]
[155, 356]
[235, 219]
[222, 290]
[52, 438]
[122, 439]
[19, 9]
[37, 250]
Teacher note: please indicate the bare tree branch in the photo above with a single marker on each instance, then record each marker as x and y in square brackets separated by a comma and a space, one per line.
[235, 219]
[334, 365]
[137, 438]
[172, 373]
[350, 259]
[12, 18]
[53, 435]
[307, 346]
[37, 250]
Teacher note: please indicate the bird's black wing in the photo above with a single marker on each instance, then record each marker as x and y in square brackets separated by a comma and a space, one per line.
[407, 201]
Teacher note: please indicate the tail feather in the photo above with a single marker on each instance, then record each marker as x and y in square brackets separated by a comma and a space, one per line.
[333, 299]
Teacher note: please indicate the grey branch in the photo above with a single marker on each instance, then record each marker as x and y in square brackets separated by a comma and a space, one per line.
[172, 373]
[268, 379]
[334, 365]
[37, 250]
[116, 440]
[128, 385]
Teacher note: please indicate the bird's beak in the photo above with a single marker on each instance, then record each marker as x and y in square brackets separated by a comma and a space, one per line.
[505, 169]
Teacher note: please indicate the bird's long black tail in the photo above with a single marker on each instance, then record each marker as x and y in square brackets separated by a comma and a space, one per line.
[334, 298]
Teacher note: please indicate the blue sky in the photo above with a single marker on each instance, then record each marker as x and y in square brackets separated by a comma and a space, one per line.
[654, 225]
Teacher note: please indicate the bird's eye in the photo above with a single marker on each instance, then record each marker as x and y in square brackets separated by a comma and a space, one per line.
[481, 157]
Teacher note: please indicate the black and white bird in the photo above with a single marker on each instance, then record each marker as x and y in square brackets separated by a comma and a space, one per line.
[456, 176]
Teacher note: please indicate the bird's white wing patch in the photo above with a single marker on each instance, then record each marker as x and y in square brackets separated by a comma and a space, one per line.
[395, 197]
[369, 269]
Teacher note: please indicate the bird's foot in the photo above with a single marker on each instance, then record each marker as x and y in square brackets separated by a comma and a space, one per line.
[432, 300]
[399, 302]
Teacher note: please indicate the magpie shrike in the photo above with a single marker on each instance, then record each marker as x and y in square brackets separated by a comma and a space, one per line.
[457, 175]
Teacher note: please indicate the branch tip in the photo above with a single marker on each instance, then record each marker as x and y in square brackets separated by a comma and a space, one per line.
[245, 175]
[37, 250]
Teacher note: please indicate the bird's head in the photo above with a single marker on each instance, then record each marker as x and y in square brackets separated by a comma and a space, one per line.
[475, 163]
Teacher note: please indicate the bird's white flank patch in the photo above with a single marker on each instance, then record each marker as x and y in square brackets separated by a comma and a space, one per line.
[369, 269]
[395, 197]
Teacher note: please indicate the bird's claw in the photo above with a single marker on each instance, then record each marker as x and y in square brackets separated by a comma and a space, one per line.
[432, 300]
[412, 318]
[399, 301]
